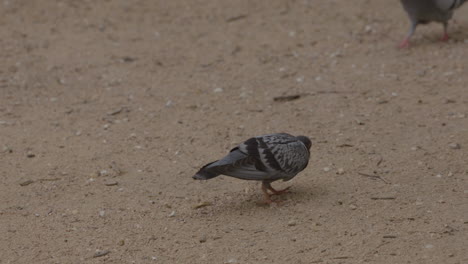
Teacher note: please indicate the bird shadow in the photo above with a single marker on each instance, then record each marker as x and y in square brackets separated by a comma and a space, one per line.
[249, 203]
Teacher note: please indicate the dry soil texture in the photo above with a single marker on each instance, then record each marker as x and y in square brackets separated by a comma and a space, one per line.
[107, 108]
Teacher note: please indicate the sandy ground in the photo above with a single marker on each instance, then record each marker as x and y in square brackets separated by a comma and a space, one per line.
[107, 108]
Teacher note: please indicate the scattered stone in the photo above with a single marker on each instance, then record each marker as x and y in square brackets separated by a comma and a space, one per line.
[103, 173]
[115, 112]
[429, 246]
[7, 149]
[74, 211]
[231, 260]
[352, 207]
[340, 171]
[101, 253]
[102, 213]
[26, 183]
[326, 169]
[172, 214]
[111, 183]
[455, 146]
[218, 90]
[292, 223]
[201, 205]
[203, 239]
[30, 154]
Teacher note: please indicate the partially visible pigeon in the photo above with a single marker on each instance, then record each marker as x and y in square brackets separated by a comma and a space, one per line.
[425, 11]
[264, 158]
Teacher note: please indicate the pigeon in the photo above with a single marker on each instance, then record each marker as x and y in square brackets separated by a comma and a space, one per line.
[265, 158]
[425, 11]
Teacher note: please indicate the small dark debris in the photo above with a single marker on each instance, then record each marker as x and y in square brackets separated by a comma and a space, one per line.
[383, 198]
[26, 183]
[344, 257]
[286, 98]
[30, 155]
[235, 18]
[345, 146]
[128, 59]
[382, 102]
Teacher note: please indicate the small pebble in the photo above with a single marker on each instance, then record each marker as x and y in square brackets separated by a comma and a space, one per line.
[26, 183]
[340, 171]
[231, 260]
[30, 154]
[111, 183]
[292, 223]
[101, 253]
[102, 213]
[218, 90]
[429, 246]
[326, 169]
[172, 214]
[103, 173]
[353, 207]
[455, 146]
[202, 239]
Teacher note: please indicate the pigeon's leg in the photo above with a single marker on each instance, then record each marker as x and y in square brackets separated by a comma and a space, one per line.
[405, 43]
[265, 191]
[445, 37]
[276, 192]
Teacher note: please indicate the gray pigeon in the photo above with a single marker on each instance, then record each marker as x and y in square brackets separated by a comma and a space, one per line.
[425, 11]
[264, 158]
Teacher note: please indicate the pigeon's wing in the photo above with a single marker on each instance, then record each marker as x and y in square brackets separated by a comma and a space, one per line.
[239, 165]
[289, 152]
[277, 153]
[448, 5]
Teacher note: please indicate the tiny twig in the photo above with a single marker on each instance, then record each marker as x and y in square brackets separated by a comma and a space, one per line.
[344, 257]
[383, 198]
[373, 177]
[235, 18]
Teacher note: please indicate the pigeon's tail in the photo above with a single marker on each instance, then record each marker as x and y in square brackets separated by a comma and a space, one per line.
[205, 173]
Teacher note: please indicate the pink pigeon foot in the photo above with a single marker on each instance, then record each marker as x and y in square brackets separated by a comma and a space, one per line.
[445, 37]
[404, 44]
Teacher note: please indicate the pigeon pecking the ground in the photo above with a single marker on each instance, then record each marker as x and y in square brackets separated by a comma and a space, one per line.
[425, 11]
[264, 158]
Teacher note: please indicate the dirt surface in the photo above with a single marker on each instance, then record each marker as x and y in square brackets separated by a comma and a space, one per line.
[108, 108]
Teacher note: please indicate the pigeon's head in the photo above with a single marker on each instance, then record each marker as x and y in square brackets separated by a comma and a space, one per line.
[305, 140]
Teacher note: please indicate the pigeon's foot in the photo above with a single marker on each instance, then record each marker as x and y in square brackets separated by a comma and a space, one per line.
[278, 192]
[404, 44]
[265, 187]
[445, 37]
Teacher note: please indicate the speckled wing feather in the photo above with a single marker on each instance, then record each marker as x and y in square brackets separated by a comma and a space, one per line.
[281, 154]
